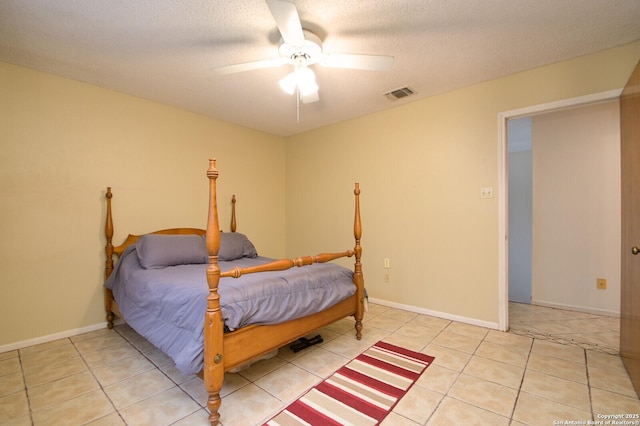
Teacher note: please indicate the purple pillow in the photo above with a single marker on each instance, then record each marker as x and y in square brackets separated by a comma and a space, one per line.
[161, 250]
[234, 245]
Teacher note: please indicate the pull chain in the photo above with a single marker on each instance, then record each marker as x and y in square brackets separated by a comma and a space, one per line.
[298, 105]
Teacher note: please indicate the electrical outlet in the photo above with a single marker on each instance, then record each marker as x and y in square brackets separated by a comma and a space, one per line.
[387, 263]
[387, 278]
[601, 283]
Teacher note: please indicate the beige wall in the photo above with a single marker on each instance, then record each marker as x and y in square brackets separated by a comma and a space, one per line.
[421, 167]
[576, 208]
[63, 142]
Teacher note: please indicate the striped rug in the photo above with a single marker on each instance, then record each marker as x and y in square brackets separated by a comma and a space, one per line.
[363, 392]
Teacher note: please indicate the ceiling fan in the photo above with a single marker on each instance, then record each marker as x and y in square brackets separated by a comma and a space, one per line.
[302, 48]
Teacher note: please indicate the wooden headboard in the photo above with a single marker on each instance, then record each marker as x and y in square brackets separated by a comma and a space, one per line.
[112, 250]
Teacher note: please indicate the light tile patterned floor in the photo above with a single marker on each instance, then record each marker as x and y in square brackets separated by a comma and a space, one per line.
[480, 376]
[588, 331]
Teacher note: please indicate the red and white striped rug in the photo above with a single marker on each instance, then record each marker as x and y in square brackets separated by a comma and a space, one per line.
[363, 392]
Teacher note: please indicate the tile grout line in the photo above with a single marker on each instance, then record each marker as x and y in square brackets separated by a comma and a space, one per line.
[26, 389]
[97, 381]
[586, 366]
[524, 372]
[156, 367]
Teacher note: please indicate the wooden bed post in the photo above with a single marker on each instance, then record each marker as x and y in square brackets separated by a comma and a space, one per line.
[108, 232]
[213, 322]
[233, 213]
[358, 278]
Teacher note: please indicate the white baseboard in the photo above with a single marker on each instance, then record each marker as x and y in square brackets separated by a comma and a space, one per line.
[443, 315]
[52, 337]
[77, 331]
[588, 310]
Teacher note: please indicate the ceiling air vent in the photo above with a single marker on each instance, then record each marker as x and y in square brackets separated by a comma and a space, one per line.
[399, 93]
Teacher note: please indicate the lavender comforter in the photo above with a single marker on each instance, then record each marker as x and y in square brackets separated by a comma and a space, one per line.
[167, 305]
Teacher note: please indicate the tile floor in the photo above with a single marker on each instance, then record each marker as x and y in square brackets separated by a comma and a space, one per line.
[480, 376]
[588, 331]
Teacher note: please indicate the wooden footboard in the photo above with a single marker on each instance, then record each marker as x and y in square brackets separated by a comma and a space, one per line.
[249, 342]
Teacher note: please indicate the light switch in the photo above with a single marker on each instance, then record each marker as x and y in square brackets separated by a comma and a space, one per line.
[486, 192]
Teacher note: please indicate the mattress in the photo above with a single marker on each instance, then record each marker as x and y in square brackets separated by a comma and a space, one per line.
[166, 305]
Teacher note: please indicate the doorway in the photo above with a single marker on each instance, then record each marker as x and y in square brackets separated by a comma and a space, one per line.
[520, 208]
[503, 199]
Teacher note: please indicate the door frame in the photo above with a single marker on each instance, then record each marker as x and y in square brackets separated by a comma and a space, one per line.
[503, 169]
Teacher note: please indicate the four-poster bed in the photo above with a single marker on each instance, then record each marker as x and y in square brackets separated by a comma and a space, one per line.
[225, 347]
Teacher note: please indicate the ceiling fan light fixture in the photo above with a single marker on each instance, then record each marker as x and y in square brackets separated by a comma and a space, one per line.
[289, 83]
[306, 80]
[301, 78]
[308, 90]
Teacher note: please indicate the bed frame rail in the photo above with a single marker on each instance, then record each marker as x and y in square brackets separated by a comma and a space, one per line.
[284, 264]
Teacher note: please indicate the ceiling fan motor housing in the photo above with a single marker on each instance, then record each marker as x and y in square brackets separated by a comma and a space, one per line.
[309, 53]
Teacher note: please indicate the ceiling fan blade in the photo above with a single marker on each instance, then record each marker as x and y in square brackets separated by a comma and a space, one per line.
[309, 97]
[286, 16]
[358, 62]
[247, 66]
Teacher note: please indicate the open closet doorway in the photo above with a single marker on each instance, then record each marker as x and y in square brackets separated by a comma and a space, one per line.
[557, 261]
[520, 199]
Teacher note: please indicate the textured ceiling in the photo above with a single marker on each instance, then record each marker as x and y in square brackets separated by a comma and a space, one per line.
[165, 50]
